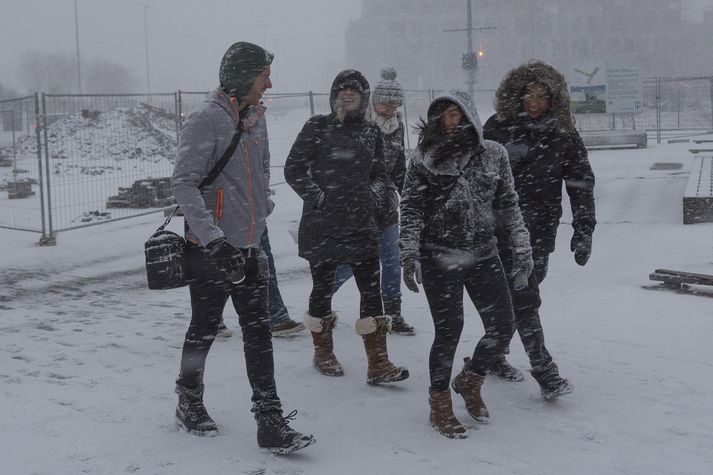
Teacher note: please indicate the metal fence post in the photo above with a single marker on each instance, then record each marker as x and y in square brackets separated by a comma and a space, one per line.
[658, 109]
[678, 106]
[711, 79]
[311, 104]
[179, 114]
[52, 240]
[47, 239]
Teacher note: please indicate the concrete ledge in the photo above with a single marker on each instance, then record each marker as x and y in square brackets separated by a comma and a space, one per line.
[698, 195]
[614, 138]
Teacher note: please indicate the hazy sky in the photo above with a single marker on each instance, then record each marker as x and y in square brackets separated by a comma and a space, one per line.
[186, 38]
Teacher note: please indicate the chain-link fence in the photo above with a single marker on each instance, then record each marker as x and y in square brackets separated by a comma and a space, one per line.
[68, 161]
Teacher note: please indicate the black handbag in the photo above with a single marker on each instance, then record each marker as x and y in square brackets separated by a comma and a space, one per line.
[164, 250]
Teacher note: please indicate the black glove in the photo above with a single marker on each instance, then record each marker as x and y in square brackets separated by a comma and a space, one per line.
[516, 151]
[412, 273]
[581, 245]
[227, 259]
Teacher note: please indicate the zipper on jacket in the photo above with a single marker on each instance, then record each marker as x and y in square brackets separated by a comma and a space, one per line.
[246, 157]
[219, 194]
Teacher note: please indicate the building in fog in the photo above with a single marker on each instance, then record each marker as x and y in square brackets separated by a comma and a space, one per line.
[409, 34]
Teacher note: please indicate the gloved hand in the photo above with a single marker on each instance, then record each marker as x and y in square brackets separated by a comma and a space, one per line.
[516, 151]
[412, 273]
[519, 280]
[227, 259]
[581, 245]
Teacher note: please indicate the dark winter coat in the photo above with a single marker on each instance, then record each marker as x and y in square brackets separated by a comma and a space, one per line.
[338, 170]
[543, 153]
[453, 206]
[395, 163]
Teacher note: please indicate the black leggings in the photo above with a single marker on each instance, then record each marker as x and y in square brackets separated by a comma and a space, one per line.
[526, 305]
[444, 278]
[367, 277]
[209, 293]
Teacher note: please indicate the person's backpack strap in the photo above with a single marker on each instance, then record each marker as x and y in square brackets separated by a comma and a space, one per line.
[218, 167]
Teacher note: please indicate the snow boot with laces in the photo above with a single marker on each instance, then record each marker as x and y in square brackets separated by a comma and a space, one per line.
[503, 370]
[275, 434]
[468, 383]
[392, 307]
[322, 329]
[442, 417]
[373, 330]
[552, 385]
[191, 414]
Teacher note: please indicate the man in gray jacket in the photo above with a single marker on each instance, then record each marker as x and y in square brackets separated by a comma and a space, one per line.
[224, 222]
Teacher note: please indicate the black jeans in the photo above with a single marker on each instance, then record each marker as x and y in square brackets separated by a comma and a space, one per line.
[526, 305]
[444, 278]
[209, 292]
[367, 278]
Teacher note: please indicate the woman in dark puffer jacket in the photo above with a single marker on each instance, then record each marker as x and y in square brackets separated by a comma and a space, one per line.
[457, 189]
[534, 123]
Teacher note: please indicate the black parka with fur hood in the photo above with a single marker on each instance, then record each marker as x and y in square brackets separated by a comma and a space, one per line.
[543, 153]
[337, 168]
[452, 204]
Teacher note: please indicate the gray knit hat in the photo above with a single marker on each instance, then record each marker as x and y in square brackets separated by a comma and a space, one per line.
[388, 89]
[242, 63]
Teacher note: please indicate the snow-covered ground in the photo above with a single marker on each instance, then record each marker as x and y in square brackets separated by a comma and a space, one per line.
[88, 357]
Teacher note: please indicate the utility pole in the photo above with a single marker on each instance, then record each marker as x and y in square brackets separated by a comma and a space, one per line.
[76, 37]
[470, 58]
[146, 47]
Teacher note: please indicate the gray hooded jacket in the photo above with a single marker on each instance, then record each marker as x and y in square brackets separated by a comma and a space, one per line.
[461, 219]
[235, 205]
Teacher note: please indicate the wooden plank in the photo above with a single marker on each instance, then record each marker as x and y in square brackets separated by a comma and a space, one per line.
[682, 272]
[676, 280]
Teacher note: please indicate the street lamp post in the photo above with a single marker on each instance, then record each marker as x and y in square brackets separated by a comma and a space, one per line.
[76, 37]
[146, 47]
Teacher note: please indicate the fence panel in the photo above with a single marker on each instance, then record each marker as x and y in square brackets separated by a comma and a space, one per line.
[108, 156]
[20, 166]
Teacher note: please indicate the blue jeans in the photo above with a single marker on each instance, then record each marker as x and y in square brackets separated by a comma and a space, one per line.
[389, 256]
[275, 306]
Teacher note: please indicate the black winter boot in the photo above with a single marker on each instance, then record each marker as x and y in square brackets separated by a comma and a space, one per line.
[503, 370]
[552, 385]
[275, 435]
[392, 307]
[191, 414]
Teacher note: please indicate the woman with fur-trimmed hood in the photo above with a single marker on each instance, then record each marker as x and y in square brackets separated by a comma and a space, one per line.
[458, 188]
[534, 122]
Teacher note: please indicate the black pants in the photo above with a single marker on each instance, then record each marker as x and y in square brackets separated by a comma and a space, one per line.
[526, 305]
[444, 278]
[367, 277]
[209, 293]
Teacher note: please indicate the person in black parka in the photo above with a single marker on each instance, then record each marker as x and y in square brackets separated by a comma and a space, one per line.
[534, 122]
[336, 165]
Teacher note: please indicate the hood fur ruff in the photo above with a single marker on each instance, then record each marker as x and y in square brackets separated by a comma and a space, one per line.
[508, 102]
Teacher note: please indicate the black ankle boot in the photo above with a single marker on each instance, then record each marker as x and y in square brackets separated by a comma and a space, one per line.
[275, 434]
[191, 414]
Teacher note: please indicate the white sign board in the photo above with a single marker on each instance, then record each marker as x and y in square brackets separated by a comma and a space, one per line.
[624, 88]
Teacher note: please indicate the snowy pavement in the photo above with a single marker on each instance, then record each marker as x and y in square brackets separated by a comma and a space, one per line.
[88, 358]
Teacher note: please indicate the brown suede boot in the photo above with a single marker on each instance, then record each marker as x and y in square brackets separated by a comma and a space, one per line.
[324, 360]
[373, 330]
[468, 385]
[442, 417]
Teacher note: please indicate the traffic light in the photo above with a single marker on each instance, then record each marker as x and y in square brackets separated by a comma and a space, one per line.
[470, 61]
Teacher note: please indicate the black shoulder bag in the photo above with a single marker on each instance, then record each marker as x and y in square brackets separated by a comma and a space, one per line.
[164, 250]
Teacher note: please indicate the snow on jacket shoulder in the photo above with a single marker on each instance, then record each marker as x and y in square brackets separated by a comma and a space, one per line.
[235, 204]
